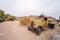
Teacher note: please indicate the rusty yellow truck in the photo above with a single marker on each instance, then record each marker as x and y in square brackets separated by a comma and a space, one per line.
[38, 25]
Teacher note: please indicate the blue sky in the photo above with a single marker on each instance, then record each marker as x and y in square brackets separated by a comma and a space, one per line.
[31, 7]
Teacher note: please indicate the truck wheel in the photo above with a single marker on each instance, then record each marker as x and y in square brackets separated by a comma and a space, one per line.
[52, 26]
[38, 30]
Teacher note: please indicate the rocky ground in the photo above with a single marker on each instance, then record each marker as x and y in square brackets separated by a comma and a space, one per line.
[13, 30]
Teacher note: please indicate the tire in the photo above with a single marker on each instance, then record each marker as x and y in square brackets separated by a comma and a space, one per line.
[52, 26]
[38, 30]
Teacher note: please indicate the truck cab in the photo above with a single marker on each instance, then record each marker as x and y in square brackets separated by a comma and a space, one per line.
[39, 24]
[43, 22]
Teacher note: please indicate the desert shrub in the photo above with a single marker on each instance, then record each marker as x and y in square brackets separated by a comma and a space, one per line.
[4, 17]
[24, 21]
[10, 17]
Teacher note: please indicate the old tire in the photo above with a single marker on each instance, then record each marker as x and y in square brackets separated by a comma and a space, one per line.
[52, 26]
[38, 30]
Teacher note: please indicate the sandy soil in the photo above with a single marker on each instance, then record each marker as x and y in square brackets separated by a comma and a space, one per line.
[12, 30]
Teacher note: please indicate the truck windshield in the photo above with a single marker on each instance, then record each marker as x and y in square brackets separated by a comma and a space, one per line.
[45, 18]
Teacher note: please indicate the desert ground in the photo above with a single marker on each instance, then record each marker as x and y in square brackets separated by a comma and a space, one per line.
[13, 30]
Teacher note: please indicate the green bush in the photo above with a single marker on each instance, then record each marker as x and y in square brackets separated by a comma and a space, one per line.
[4, 16]
[58, 19]
[12, 18]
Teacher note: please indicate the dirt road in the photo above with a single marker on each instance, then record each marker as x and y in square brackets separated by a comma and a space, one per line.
[12, 30]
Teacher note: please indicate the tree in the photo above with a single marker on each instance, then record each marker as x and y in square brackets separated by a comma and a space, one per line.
[58, 20]
[2, 15]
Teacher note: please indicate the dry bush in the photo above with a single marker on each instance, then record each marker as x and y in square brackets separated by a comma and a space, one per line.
[24, 21]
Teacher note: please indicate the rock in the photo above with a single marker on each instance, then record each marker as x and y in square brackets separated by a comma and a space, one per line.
[55, 37]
